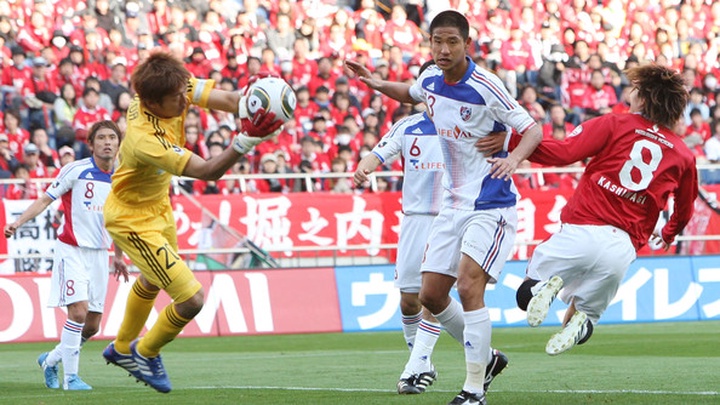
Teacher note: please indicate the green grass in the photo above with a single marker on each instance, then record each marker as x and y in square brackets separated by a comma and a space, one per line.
[662, 363]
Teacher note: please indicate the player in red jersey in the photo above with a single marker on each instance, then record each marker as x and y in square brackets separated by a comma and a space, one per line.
[637, 162]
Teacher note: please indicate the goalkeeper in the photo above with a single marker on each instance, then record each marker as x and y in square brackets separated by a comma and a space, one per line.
[138, 213]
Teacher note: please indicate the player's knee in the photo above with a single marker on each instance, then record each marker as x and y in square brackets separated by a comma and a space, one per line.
[524, 293]
[410, 303]
[191, 307]
[433, 302]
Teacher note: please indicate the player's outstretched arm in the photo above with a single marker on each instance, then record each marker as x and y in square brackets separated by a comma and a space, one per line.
[256, 129]
[367, 165]
[224, 100]
[31, 212]
[395, 90]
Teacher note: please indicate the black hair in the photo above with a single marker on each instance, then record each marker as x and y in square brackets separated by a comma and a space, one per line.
[451, 18]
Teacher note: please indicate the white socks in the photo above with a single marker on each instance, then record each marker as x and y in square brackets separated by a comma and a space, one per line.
[410, 326]
[452, 320]
[478, 331]
[420, 359]
[69, 347]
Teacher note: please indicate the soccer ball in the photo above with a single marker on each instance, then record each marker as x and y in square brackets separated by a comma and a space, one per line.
[272, 94]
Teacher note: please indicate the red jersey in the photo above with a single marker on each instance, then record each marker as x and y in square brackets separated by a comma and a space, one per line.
[14, 77]
[84, 118]
[636, 165]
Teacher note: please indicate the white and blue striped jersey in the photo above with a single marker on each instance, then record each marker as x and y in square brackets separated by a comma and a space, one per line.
[84, 187]
[414, 138]
[462, 113]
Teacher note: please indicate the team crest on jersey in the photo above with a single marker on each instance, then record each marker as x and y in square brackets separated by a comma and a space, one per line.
[465, 113]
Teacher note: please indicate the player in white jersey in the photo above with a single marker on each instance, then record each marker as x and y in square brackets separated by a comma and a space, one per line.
[474, 232]
[81, 259]
[414, 139]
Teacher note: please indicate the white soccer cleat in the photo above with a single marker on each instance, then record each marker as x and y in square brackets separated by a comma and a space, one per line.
[573, 333]
[543, 296]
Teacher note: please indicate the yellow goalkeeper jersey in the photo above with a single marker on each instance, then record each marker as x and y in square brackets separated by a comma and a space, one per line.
[153, 150]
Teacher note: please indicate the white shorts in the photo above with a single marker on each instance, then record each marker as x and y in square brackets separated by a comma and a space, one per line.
[486, 236]
[414, 232]
[79, 274]
[591, 260]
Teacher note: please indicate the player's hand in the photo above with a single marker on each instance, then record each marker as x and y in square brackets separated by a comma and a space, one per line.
[657, 242]
[120, 269]
[491, 144]
[503, 168]
[362, 72]
[10, 229]
[361, 176]
[261, 125]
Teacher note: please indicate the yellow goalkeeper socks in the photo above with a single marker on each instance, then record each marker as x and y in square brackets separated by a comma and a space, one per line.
[139, 304]
[168, 325]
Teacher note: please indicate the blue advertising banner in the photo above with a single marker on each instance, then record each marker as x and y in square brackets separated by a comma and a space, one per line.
[668, 288]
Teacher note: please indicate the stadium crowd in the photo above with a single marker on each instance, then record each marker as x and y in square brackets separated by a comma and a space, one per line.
[66, 65]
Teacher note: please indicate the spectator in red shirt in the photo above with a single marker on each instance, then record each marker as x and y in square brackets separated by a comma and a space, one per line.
[529, 101]
[402, 32]
[557, 120]
[22, 191]
[48, 156]
[252, 67]
[311, 152]
[304, 69]
[17, 136]
[194, 141]
[267, 62]
[269, 165]
[305, 109]
[31, 158]
[324, 76]
[322, 131]
[158, 18]
[65, 73]
[232, 68]
[8, 161]
[517, 61]
[14, 78]
[35, 35]
[600, 97]
[39, 94]
[698, 128]
[88, 113]
[198, 65]
[81, 70]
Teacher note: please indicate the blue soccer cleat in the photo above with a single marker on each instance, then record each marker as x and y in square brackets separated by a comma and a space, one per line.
[125, 361]
[152, 371]
[74, 383]
[51, 372]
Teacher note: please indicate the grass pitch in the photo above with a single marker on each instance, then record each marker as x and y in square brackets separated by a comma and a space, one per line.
[660, 363]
